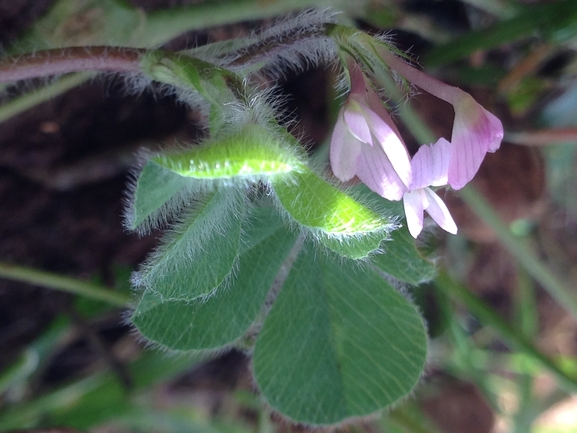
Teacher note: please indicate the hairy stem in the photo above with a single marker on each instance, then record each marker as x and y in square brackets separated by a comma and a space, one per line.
[74, 59]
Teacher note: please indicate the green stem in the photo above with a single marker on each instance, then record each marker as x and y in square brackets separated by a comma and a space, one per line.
[63, 283]
[75, 402]
[550, 20]
[486, 315]
[520, 250]
[543, 137]
[30, 413]
[29, 100]
[163, 25]
[465, 349]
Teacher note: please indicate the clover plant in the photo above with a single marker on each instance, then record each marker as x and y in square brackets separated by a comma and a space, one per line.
[271, 253]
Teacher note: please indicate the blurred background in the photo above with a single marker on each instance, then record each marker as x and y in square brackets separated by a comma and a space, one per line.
[501, 314]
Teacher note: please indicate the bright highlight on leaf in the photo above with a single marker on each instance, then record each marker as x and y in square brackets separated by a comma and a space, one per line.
[253, 153]
[357, 247]
[315, 203]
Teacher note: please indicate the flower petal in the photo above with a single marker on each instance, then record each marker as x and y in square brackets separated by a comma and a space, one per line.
[430, 165]
[475, 132]
[413, 204]
[354, 116]
[344, 151]
[392, 145]
[376, 171]
[493, 132]
[439, 212]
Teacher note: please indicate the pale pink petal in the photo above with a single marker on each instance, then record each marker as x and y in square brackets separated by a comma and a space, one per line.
[475, 132]
[375, 170]
[385, 168]
[430, 165]
[494, 131]
[374, 103]
[413, 204]
[354, 116]
[344, 152]
[392, 145]
[467, 155]
[439, 212]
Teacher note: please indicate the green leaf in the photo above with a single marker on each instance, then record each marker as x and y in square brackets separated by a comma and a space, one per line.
[315, 203]
[402, 260]
[339, 342]
[227, 315]
[200, 252]
[355, 247]
[155, 187]
[252, 153]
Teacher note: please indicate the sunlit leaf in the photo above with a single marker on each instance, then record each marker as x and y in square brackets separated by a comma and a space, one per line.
[399, 256]
[355, 247]
[252, 153]
[315, 203]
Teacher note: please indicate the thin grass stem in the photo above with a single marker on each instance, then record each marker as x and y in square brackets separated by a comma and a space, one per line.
[520, 250]
[487, 316]
[63, 283]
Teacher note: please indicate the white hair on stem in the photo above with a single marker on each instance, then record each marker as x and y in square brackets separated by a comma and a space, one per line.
[295, 42]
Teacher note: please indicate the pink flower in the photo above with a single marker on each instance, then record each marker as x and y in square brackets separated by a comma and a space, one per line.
[430, 167]
[365, 143]
[475, 130]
